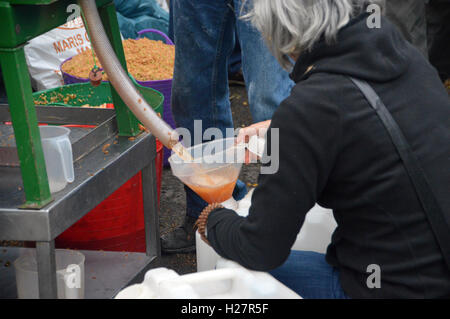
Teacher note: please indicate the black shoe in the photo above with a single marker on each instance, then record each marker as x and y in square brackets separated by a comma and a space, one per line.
[181, 240]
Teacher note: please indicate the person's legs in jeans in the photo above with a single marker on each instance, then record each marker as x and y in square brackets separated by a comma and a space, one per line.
[235, 60]
[267, 83]
[204, 34]
[204, 43]
[309, 275]
[204, 39]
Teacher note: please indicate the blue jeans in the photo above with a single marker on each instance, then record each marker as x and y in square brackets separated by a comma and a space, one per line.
[204, 33]
[235, 60]
[309, 275]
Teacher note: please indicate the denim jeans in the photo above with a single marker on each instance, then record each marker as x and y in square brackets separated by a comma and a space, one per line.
[235, 60]
[309, 275]
[204, 35]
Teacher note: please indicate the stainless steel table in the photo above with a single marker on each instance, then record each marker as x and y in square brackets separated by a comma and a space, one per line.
[97, 175]
[106, 273]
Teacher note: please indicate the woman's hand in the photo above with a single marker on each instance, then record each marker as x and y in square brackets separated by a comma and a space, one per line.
[246, 133]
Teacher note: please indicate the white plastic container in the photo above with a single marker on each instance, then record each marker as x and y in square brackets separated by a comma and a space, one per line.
[69, 271]
[58, 156]
[315, 234]
[206, 256]
[225, 283]
[256, 145]
[317, 230]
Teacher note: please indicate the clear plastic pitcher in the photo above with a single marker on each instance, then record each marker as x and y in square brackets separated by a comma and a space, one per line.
[58, 156]
[69, 272]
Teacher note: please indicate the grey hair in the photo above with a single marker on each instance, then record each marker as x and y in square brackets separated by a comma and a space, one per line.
[291, 27]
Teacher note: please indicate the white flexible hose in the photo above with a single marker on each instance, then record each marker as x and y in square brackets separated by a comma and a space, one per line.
[120, 79]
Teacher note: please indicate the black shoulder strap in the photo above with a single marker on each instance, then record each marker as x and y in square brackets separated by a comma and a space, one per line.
[434, 213]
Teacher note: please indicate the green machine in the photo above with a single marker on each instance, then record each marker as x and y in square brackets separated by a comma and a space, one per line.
[21, 21]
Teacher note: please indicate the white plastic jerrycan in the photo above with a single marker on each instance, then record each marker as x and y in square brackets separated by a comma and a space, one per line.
[315, 234]
[58, 156]
[225, 283]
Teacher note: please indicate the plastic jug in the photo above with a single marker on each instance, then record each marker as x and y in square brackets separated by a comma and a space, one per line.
[58, 156]
[206, 256]
[316, 231]
[315, 234]
[226, 283]
[69, 272]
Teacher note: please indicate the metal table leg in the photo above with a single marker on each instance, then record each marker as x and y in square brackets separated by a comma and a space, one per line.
[151, 215]
[46, 266]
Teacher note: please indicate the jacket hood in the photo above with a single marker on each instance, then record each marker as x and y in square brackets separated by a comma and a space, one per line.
[377, 54]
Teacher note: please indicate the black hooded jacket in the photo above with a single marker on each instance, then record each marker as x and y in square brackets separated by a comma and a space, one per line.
[334, 150]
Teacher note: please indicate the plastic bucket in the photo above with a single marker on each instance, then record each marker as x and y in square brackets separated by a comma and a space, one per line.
[116, 224]
[163, 86]
[69, 271]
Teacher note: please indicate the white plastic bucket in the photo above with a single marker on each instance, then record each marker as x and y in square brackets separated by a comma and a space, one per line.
[69, 272]
[58, 156]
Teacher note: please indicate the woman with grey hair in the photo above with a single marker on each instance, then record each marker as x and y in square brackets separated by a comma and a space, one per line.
[365, 132]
